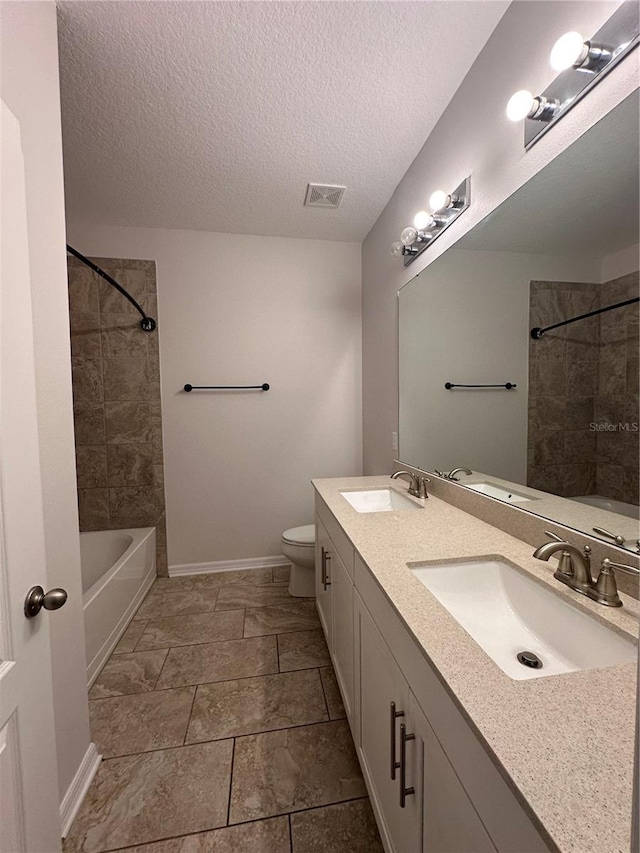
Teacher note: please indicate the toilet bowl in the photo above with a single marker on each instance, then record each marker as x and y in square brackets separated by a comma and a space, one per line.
[299, 546]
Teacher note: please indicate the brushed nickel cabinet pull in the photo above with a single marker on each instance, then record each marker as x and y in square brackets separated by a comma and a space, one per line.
[404, 791]
[393, 764]
[327, 559]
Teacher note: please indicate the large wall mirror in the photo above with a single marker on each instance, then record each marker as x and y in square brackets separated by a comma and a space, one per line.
[564, 443]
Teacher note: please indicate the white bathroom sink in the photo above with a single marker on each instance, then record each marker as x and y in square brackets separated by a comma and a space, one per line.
[379, 500]
[495, 491]
[507, 613]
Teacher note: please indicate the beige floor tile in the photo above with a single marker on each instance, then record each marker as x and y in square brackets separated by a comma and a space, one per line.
[213, 580]
[250, 705]
[143, 798]
[280, 618]
[343, 828]
[302, 650]
[130, 637]
[160, 603]
[332, 693]
[294, 769]
[191, 629]
[128, 724]
[173, 584]
[261, 836]
[281, 574]
[134, 672]
[239, 596]
[222, 661]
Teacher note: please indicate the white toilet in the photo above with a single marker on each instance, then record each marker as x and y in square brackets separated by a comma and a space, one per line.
[299, 546]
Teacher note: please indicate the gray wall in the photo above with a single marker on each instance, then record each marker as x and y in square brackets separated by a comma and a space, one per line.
[473, 137]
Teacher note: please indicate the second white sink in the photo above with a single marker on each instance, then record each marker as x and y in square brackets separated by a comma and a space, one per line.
[379, 500]
[508, 613]
[495, 491]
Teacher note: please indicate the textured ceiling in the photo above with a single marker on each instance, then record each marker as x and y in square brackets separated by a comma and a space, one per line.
[215, 115]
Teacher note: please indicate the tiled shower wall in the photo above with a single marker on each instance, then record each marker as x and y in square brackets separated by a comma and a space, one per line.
[116, 392]
[579, 376]
[616, 401]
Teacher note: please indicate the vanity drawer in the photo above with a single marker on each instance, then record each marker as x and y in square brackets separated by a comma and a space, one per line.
[502, 813]
[340, 540]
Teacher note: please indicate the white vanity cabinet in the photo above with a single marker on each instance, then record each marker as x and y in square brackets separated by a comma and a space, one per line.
[455, 800]
[334, 597]
[384, 718]
[323, 578]
[449, 819]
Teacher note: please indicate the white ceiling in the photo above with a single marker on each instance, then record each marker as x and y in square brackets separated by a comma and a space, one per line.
[215, 115]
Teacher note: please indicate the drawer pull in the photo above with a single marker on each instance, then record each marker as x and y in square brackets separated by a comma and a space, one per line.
[393, 766]
[404, 791]
[326, 556]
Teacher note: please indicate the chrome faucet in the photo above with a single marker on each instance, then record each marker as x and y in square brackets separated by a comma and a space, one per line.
[574, 565]
[451, 475]
[417, 484]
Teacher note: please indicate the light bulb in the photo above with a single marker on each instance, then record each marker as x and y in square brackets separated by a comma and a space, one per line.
[409, 236]
[520, 105]
[570, 49]
[397, 249]
[422, 219]
[439, 200]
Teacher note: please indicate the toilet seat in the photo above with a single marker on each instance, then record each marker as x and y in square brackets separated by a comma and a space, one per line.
[302, 536]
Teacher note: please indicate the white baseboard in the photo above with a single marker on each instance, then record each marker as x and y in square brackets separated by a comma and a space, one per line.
[78, 788]
[228, 565]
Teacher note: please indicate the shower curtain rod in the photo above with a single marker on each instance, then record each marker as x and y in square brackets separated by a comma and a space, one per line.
[537, 332]
[147, 324]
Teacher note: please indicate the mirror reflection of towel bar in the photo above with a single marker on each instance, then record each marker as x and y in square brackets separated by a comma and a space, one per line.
[507, 385]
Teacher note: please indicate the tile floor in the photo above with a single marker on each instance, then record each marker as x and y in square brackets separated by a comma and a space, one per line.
[222, 729]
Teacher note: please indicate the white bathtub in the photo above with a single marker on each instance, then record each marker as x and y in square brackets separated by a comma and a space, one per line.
[611, 505]
[118, 567]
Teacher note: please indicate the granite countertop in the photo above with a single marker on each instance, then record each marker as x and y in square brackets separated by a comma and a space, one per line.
[576, 759]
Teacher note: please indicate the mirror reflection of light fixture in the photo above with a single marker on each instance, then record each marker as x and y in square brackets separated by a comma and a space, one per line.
[573, 55]
[427, 227]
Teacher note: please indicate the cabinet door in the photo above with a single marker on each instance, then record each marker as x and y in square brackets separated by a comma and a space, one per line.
[342, 617]
[450, 822]
[383, 708]
[323, 580]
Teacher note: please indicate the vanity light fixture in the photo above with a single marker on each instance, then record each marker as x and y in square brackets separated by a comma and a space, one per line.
[423, 220]
[427, 227]
[524, 105]
[571, 50]
[440, 200]
[582, 63]
[398, 249]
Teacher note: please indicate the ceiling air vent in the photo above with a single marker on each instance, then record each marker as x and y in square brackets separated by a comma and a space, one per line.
[323, 195]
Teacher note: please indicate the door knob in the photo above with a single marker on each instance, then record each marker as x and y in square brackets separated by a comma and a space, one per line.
[37, 598]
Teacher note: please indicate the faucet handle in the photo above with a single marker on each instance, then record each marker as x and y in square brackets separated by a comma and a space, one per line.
[622, 567]
[553, 536]
[619, 540]
[606, 588]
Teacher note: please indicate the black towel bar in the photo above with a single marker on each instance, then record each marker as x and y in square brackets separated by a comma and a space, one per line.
[264, 387]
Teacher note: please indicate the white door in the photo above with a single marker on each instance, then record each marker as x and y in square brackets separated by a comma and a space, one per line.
[29, 802]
